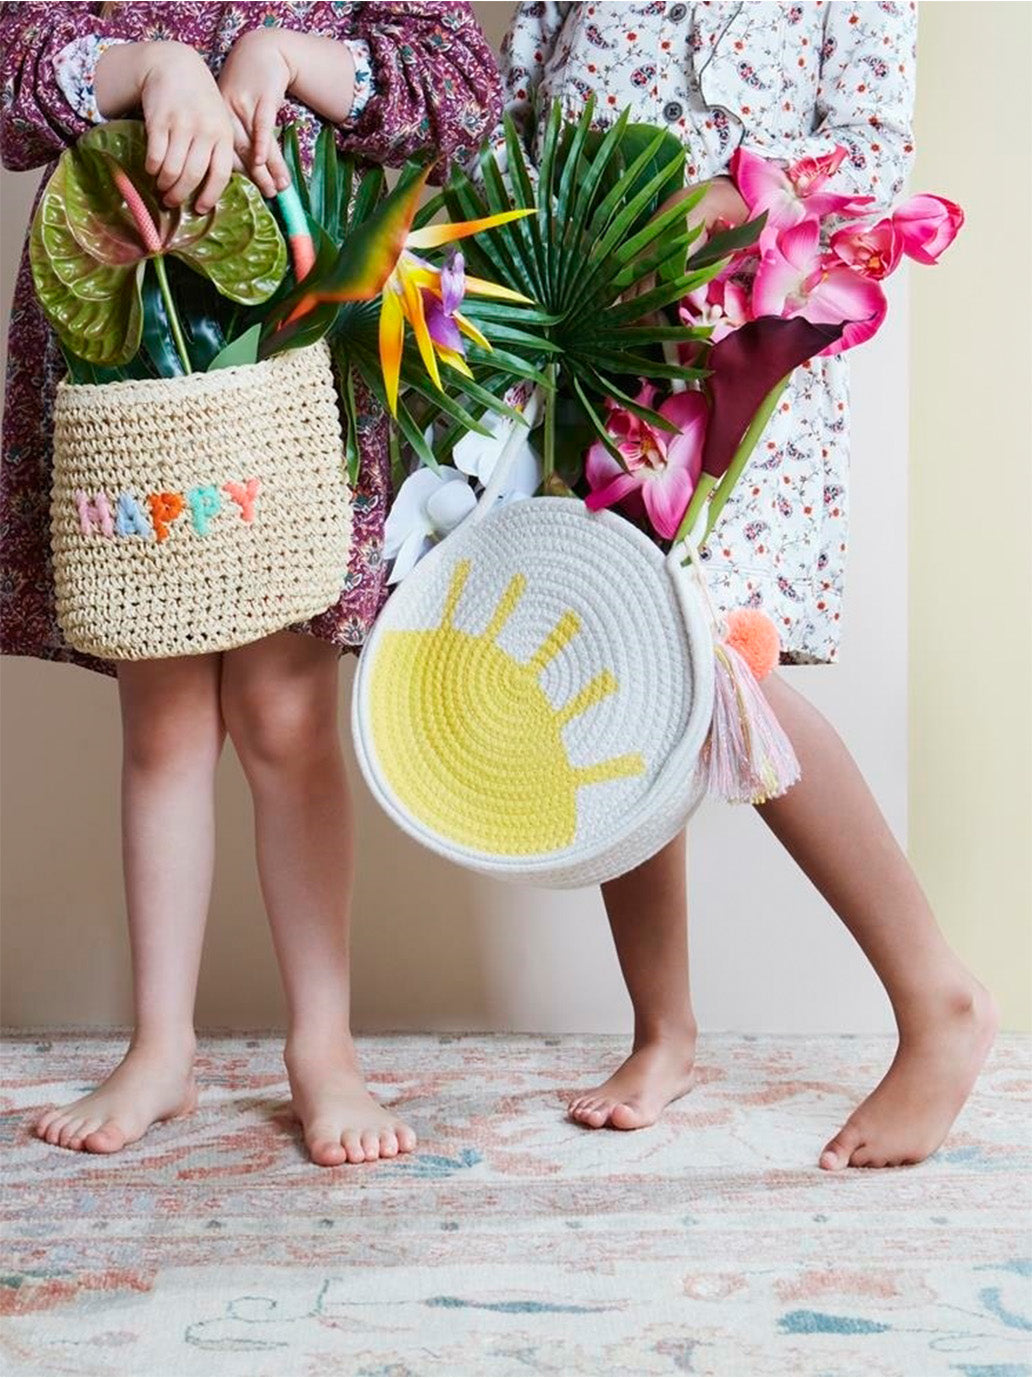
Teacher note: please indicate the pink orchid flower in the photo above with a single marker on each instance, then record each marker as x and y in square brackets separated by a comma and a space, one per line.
[795, 193]
[873, 251]
[796, 279]
[927, 226]
[722, 304]
[663, 467]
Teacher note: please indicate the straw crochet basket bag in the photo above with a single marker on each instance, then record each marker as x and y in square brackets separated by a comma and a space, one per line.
[198, 513]
[533, 699]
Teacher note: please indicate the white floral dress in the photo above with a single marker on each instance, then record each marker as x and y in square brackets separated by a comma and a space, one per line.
[786, 81]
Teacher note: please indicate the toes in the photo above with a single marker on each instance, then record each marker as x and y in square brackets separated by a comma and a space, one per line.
[327, 1152]
[370, 1144]
[584, 1109]
[352, 1142]
[44, 1122]
[839, 1152]
[627, 1115]
[388, 1143]
[109, 1138]
[53, 1129]
[406, 1138]
[68, 1129]
[88, 1126]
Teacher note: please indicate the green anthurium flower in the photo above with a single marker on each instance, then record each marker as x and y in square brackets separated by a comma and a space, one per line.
[99, 222]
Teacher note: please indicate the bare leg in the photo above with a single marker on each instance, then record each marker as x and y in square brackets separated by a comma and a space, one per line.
[648, 915]
[832, 826]
[172, 734]
[279, 700]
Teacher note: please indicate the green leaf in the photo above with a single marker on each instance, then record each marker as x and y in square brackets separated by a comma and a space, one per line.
[324, 189]
[242, 350]
[241, 250]
[722, 245]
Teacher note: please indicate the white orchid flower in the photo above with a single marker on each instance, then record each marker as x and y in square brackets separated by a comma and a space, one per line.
[477, 455]
[427, 507]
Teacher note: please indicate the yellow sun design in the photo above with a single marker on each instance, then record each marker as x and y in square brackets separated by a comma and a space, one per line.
[467, 738]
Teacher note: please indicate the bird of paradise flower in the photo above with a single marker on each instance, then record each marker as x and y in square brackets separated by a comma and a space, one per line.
[380, 257]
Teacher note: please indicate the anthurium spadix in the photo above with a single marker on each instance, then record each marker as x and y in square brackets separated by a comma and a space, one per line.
[380, 257]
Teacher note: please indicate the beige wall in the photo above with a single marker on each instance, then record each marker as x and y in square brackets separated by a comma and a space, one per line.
[971, 497]
[435, 947]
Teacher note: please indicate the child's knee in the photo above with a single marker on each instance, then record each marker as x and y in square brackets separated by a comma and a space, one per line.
[281, 727]
[171, 738]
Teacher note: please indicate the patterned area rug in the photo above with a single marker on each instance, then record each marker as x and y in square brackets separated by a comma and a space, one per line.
[513, 1241]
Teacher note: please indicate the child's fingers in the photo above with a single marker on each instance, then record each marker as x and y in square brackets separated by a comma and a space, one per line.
[263, 180]
[263, 126]
[219, 171]
[277, 167]
[157, 147]
[174, 159]
[194, 168]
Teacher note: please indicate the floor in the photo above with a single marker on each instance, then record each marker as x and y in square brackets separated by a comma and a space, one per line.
[513, 1241]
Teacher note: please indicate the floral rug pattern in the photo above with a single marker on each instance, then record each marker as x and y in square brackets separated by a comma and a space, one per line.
[513, 1241]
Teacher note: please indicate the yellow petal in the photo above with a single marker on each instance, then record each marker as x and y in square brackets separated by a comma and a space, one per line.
[392, 342]
[455, 359]
[469, 329]
[412, 305]
[433, 236]
[480, 287]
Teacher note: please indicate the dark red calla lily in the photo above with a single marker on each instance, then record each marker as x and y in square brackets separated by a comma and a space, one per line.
[744, 367]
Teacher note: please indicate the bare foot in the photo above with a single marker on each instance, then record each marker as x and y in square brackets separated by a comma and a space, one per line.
[342, 1123]
[148, 1085]
[909, 1113]
[655, 1073]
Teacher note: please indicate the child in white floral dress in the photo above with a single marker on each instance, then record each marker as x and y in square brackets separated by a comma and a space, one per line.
[787, 82]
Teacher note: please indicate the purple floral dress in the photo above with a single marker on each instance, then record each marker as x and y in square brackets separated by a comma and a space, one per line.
[427, 82]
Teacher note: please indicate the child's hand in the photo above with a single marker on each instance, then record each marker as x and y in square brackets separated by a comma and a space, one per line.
[253, 82]
[189, 133]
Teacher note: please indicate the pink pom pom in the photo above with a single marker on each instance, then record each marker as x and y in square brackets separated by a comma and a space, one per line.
[754, 636]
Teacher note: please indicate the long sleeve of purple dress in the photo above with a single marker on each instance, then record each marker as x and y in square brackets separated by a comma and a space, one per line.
[434, 94]
[37, 119]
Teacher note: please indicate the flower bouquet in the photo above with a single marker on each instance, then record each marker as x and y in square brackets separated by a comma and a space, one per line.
[549, 691]
[199, 496]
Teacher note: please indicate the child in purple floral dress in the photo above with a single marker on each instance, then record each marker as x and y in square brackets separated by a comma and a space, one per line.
[787, 82]
[211, 80]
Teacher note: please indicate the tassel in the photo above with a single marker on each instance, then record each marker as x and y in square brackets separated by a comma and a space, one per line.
[747, 758]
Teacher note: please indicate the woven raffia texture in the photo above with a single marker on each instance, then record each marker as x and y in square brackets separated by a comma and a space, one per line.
[513, 1241]
[534, 696]
[199, 513]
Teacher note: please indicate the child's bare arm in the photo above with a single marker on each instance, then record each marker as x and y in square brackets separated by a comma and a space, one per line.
[189, 133]
[264, 66]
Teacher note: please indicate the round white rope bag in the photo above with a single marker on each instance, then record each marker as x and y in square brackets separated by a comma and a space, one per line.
[532, 700]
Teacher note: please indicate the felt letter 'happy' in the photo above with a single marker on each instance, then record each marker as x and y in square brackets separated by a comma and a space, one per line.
[164, 509]
[204, 504]
[94, 514]
[131, 520]
[245, 495]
